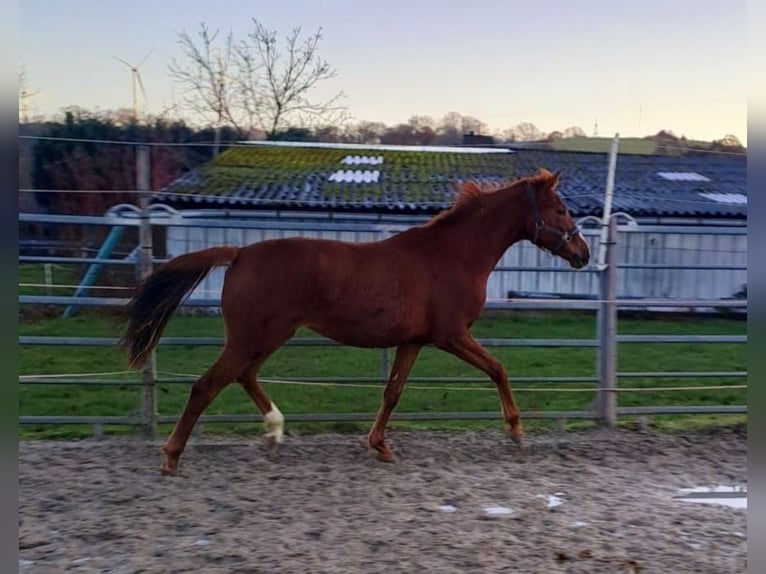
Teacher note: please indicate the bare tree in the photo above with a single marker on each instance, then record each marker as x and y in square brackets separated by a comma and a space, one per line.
[729, 141]
[453, 126]
[574, 132]
[471, 124]
[525, 132]
[281, 94]
[422, 122]
[450, 129]
[365, 132]
[207, 74]
[252, 84]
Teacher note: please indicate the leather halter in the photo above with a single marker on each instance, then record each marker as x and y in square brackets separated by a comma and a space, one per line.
[564, 236]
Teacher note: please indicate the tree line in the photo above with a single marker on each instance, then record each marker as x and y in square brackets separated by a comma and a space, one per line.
[84, 152]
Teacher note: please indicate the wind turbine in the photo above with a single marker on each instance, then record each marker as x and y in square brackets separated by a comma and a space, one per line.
[137, 82]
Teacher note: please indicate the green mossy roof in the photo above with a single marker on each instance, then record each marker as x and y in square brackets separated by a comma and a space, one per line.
[272, 175]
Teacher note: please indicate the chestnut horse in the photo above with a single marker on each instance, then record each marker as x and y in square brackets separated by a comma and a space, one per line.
[426, 285]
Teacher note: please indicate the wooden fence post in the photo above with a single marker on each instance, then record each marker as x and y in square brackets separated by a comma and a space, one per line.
[606, 401]
[144, 268]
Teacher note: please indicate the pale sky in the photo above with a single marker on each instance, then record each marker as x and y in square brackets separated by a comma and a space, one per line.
[634, 67]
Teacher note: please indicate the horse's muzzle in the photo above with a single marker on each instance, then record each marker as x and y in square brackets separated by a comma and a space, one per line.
[578, 261]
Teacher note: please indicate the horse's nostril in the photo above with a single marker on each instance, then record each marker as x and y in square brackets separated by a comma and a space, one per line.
[581, 260]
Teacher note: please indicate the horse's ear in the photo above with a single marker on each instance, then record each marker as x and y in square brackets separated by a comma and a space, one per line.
[548, 180]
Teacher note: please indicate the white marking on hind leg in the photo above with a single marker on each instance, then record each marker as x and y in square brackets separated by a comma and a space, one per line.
[274, 422]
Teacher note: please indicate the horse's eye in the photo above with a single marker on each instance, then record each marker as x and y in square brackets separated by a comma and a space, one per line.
[561, 211]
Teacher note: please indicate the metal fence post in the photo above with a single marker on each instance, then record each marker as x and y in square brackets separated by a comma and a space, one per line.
[606, 401]
[144, 268]
[384, 365]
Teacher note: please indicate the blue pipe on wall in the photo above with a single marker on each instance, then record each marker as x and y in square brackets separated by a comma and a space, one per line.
[95, 268]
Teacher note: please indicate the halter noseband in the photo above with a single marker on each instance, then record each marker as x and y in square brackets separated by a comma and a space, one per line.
[564, 236]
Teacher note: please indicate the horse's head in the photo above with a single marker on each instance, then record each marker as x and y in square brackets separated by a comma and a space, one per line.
[549, 224]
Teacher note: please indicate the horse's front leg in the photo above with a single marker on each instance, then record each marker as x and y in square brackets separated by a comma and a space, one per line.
[465, 347]
[405, 357]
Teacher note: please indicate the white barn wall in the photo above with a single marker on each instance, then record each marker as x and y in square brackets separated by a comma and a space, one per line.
[653, 244]
[185, 239]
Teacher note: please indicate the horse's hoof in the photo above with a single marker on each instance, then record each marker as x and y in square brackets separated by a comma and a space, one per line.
[169, 465]
[519, 440]
[383, 454]
[386, 457]
[272, 443]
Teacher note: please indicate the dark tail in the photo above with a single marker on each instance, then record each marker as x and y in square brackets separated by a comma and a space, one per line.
[159, 295]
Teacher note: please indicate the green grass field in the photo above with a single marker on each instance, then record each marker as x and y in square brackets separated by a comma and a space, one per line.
[32, 280]
[627, 145]
[602, 145]
[298, 362]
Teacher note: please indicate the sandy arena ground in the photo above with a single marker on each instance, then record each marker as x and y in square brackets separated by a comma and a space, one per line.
[321, 504]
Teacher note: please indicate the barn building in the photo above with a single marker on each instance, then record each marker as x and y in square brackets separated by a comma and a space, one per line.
[680, 211]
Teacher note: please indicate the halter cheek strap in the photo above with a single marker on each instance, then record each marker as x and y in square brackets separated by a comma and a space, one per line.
[540, 224]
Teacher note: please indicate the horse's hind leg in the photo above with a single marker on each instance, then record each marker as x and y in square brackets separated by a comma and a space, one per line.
[264, 340]
[228, 367]
[405, 358]
[273, 419]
